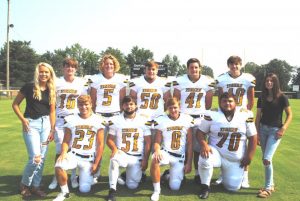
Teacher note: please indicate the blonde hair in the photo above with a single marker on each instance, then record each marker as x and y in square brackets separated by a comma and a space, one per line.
[84, 99]
[114, 59]
[50, 83]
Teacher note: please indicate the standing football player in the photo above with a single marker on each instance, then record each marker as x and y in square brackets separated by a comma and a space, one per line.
[195, 92]
[84, 132]
[241, 85]
[129, 139]
[228, 129]
[173, 138]
[68, 88]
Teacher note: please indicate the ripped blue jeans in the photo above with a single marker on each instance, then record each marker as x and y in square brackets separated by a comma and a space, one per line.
[36, 144]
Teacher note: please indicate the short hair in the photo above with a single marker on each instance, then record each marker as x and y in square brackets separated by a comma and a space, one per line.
[84, 99]
[114, 59]
[128, 99]
[150, 64]
[70, 62]
[226, 95]
[193, 60]
[234, 59]
[172, 101]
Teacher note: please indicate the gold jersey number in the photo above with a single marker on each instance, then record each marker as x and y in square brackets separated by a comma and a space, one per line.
[239, 94]
[79, 136]
[70, 103]
[151, 102]
[108, 96]
[234, 141]
[175, 144]
[126, 140]
[190, 100]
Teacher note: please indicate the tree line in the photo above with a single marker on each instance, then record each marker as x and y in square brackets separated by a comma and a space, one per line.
[23, 59]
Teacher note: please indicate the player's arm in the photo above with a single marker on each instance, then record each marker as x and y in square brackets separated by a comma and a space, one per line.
[122, 94]
[205, 148]
[189, 139]
[147, 149]
[65, 144]
[52, 117]
[208, 99]
[250, 151]
[220, 91]
[250, 97]
[156, 146]
[16, 107]
[99, 150]
[111, 144]
[94, 98]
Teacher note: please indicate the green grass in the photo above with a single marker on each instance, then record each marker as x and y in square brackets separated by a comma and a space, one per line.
[286, 164]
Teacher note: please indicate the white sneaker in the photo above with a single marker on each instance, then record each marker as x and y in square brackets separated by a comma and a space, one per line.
[245, 182]
[74, 182]
[155, 196]
[62, 196]
[121, 181]
[95, 180]
[53, 184]
[219, 180]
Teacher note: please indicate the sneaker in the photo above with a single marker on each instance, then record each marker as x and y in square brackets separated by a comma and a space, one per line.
[245, 182]
[197, 179]
[62, 196]
[111, 195]
[165, 176]
[204, 193]
[122, 179]
[53, 184]
[74, 182]
[155, 196]
[96, 180]
[218, 181]
[144, 177]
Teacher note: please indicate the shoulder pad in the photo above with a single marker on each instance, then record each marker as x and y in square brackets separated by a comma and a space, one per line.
[175, 83]
[207, 118]
[250, 120]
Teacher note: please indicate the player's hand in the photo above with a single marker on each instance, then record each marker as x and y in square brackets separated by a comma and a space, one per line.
[205, 150]
[25, 125]
[94, 169]
[61, 157]
[157, 156]
[187, 168]
[144, 165]
[280, 133]
[245, 162]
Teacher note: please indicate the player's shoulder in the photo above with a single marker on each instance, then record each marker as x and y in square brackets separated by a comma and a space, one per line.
[211, 114]
[72, 118]
[245, 114]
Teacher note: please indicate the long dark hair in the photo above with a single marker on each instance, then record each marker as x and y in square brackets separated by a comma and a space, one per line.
[276, 92]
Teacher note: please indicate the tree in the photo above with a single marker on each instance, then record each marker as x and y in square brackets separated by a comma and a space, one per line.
[206, 70]
[296, 77]
[23, 60]
[257, 71]
[173, 64]
[124, 68]
[138, 56]
[282, 69]
[55, 59]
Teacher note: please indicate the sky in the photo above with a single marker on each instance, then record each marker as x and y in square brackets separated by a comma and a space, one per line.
[210, 30]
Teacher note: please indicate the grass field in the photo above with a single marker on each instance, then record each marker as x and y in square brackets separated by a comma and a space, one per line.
[286, 164]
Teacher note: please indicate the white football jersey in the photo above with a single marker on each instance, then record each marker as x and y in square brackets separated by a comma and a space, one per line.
[237, 86]
[129, 133]
[192, 100]
[229, 137]
[84, 132]
[174, 132]
[150, 96]
[108, 90]
[67, 94]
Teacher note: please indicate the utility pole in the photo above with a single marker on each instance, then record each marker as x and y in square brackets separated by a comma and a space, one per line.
[7, 47]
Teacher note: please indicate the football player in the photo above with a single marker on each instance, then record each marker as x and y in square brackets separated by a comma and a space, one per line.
[241, 85]
[173, 138]
[68, 88]
[129, 139]
[84, 132]
[228, 129]
[195, 92]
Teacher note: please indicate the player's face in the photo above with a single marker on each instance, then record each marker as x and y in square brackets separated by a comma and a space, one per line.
[235, 68]
[69, 70]
[108, 67]
[227, 104]
[173, 111]
[44, 74]
[151, 73]
[129, 108]
[269, 83]
[85, 108]
[194, 70]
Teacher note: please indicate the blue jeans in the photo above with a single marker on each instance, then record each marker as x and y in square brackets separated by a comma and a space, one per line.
[269, 144]
[36, 144]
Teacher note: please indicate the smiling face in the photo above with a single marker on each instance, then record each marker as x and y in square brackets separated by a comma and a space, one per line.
[227, 104]
[85, 108]
[194, 71]
[269, 83]
[108, 68]
[129, 108]
[174, 111]
[44, 74]
[69, 70]
[235, 69]
[151, 73]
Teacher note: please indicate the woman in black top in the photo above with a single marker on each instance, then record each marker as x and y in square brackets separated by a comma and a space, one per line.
[38, 124]
[270, 127]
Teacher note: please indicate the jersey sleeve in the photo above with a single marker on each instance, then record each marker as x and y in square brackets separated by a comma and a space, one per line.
[158, 123]
[204, 126]
[250, 125]
[68, 121]
[146, 130]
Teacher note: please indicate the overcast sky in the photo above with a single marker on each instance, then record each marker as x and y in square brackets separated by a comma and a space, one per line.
[211, 30]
